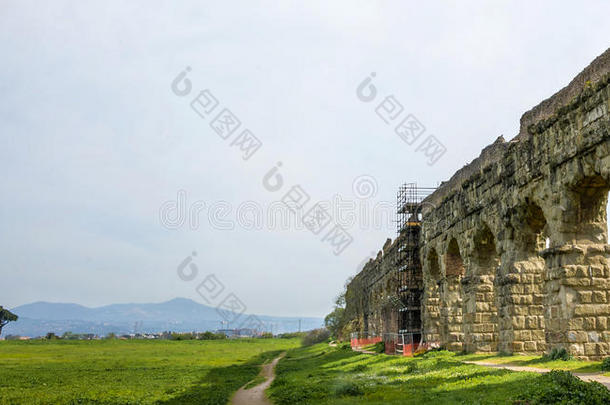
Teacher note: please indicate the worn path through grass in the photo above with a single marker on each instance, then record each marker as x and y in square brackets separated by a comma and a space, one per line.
[256, 395]
[599, 377]
[576, 366]
[131, 372]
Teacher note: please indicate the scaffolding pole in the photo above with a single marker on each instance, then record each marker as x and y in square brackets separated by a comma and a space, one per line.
[409, 274]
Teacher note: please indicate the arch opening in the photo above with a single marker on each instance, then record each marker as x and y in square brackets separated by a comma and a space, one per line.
[435, 326]
[520, 284]
[485, 252]
[433, 265]
[591, 217]
[454, 265]
[480, 314]
[535, 234]
[451, 298]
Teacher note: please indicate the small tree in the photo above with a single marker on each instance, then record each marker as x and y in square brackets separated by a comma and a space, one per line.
[6, 316]
[316, 336]
[335, 321]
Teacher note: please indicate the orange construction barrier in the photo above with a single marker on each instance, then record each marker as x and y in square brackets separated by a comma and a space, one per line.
[355, 342]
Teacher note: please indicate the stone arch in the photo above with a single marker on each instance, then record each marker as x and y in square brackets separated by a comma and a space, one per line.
[485, 252]
[590, 216]
[576, 299]
[479, 297]
[454, 264]
[434, 268]
[431, 302]
[533, 229]
[520, 282]
[451, 297]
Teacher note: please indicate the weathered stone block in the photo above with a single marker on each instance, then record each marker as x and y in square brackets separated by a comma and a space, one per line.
[577, 349]
[531, 322]
[577, 336]
[585, 297]
[482, 328]
[598, 271]
[589, 323]
[576, 282]
[516, 289]
[523, 335]
[586, 309]
[518, 322]
[592, 349]
[575, 323]
[537, 335]
[602, 322]
[593, 337]
[529, 346]
[536, 310]
[599, 297]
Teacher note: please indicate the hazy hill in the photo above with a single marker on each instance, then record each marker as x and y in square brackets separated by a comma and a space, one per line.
[179, 314]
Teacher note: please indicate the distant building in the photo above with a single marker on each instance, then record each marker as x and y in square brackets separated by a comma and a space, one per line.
[227, 332]
[240, 333]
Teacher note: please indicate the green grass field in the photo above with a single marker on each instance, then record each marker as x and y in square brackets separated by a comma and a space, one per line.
[131, 372]
[324, 375]
[209, 372]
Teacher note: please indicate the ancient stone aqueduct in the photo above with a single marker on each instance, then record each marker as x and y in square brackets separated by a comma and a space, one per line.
[511, 254]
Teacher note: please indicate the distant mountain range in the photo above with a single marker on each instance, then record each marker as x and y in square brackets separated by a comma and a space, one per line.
[178, 315]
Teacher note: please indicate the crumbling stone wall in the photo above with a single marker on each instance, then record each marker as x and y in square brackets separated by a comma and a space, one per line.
[369, 304]
[514, 247]
[491, 281]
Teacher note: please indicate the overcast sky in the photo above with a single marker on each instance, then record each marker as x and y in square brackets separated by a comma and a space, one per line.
[94, 140]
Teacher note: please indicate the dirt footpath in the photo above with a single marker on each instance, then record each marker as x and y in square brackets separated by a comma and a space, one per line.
[583, 376]
[256, 395]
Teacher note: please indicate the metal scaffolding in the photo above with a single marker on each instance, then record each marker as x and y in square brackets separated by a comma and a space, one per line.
[408, 266]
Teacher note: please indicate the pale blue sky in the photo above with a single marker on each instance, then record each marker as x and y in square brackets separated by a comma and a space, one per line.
[94, 141]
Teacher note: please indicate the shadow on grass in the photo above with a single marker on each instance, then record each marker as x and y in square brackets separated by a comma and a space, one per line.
[427, 379]
[557, 364]
[419, 389]
[574, 366]
[344, 377]
[486, 392]
[219, 383]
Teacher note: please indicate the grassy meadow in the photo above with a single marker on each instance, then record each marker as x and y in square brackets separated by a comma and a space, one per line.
[323, 375]
[131, 372]
[209, 372]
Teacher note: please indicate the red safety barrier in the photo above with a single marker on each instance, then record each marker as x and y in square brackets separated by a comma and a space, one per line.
[411, 349]
[395, 344]
[408, 349]
[365, 341]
